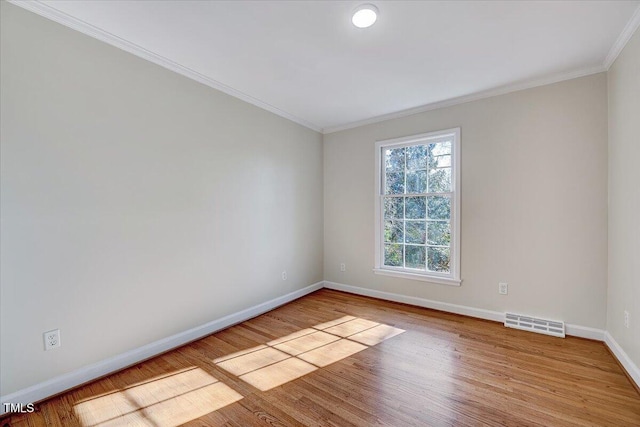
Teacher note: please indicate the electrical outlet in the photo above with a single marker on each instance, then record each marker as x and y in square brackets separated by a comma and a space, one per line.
[51, 339]
[343, 267]
[626, 319]
[503, 288]
[284, 275]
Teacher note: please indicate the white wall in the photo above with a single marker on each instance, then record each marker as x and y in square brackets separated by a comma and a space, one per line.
[137, 203]
[534, 202]
[624, 198]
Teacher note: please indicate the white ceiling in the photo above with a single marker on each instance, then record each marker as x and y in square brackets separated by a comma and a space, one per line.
[307, 62]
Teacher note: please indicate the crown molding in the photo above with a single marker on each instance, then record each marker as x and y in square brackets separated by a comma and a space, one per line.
[627, 32]
[502, 90]
[623, 39]
[55, 15]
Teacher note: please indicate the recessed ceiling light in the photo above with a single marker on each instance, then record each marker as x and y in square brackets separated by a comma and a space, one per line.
[364, 16]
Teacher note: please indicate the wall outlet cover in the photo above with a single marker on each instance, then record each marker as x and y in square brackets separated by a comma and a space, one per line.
[51, 339]
[503, 288]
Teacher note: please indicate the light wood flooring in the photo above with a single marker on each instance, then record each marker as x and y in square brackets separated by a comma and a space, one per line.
[335, 359]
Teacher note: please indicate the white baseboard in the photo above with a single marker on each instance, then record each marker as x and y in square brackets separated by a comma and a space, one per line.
[91, 372]
[584, 332]
[417, 301]
[570, 329]
[574, 330]
[56, 385]
[624, 359]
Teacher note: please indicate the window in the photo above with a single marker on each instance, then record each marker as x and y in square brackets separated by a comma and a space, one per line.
[418, 207]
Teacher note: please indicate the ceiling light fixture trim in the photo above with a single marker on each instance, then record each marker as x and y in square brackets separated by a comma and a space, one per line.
[364, 16]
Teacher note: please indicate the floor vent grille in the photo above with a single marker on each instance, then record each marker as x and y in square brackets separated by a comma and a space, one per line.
[533, 324]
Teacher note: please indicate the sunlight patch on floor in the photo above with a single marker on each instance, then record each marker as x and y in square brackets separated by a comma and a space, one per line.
[306, 343]
[252, 361]
[326, 325]
[187, 394]
[239, 353]
[376, 335]
[164, 402]
[332, 353]
[351, 327]
[279, 373]
[299, 353]
[292, 336]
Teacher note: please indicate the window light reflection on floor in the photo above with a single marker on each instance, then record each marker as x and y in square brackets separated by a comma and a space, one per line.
[169, 400]
[301, 352]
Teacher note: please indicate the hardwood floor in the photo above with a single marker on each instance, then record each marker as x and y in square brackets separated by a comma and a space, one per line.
[399, 366]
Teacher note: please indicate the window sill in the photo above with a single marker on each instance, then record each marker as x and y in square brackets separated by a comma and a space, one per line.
[422, 277]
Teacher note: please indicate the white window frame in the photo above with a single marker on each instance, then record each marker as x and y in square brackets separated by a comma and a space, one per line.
[453, 277]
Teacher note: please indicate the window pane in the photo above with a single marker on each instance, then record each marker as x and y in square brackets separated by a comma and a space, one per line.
[416, 232]
[395, 183]
[436, 151]
[394, 159]
[393, 231]
[393, 207]
[438, 259]
[417, 157]
[443, 161]
[393, 255]
[441, 148]
[415, 257]
[416, 181]
[440, 180]
[439, 233]
[415, 207]
[439, 207]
